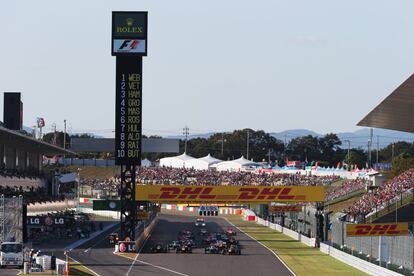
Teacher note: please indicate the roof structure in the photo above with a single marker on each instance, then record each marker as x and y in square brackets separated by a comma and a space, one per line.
[202, 163]
[175, 161]
[16, 138]
[209, 159]
[395, 112]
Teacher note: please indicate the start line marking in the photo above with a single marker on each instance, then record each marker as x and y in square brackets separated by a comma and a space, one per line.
[273, 252]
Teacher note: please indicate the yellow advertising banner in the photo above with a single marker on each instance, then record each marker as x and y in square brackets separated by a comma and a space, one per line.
[377, 229]
[285, 208]
[228, 194]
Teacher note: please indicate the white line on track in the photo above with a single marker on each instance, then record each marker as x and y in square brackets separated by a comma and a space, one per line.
[156, 266]
[273, 252]
[163, 268]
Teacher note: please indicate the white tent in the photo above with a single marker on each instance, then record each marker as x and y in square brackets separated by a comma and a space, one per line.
[146, 163]
[175, 161]
[236, 165]
[203, 163]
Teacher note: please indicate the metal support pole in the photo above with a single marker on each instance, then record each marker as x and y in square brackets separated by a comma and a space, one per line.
[185, 132]
[247, 147]
[128, 203]
[64, 134]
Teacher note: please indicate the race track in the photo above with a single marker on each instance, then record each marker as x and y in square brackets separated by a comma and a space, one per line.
[254, 260]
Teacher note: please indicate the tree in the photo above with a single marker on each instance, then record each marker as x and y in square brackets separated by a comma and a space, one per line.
[400, 165]
[304, 148]
[329, 147]
[50, 138]
[356, 157]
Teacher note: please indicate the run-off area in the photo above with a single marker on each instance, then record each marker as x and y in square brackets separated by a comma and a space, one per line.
[254, 258]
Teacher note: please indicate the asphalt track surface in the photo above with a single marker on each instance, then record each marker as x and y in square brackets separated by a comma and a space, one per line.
[255, 259]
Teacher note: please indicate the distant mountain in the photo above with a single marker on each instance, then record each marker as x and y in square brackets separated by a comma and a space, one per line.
[358, 138]
[293, 133]
[192, 136]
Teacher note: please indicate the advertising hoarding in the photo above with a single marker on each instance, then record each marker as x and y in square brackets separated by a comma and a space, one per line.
[229, 194]
[377, 229]
[129, 33]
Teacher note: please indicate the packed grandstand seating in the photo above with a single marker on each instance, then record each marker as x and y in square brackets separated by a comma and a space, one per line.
[347, 187]
[30, 195]
[31, 173]
[382, 196]
[183, 176]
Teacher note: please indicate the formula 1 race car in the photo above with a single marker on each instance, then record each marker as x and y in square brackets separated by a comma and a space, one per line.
[231, 232]
[233, 250]
[203, 232]
[200, 222]
[158, 248]
[184, 249]
[173, 245]
[232, 240]
[212, 249]
[113, 238]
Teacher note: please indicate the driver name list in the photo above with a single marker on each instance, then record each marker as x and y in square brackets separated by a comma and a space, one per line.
[128, 136]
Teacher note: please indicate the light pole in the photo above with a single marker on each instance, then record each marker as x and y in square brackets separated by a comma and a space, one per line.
[185, 132]
[64, 134]
[222, 144]
[247, 148]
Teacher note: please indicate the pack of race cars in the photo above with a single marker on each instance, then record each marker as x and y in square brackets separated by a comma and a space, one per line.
[213, 243]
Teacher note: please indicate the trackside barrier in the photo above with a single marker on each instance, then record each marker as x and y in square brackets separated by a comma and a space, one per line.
[248, 215]
[109, 214]
[356, 262]
[181, 208]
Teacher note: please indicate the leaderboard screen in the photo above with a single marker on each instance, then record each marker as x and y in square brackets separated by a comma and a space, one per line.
[128, 119]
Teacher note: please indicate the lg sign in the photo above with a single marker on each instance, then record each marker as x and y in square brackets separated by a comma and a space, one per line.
[48, 221]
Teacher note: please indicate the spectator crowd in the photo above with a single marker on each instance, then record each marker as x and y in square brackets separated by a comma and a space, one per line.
[382, 196]
[347, 187]
[183, 176]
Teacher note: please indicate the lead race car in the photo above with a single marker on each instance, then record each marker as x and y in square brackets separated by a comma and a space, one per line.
[200, 222]
[233, 250]
[231, 232]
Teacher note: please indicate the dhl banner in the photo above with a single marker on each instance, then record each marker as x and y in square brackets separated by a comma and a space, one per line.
[285, 208]
[229, 194]
[377, 229]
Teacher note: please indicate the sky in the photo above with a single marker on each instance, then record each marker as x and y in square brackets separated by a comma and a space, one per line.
[212, 65]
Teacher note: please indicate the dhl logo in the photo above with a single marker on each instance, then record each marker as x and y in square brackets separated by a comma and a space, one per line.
[245, 193]
[285, 208]
[386, 229]
[158, 193]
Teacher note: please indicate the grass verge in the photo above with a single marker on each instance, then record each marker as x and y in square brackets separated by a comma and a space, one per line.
[79, 269]
[75, 269]
[303, 260]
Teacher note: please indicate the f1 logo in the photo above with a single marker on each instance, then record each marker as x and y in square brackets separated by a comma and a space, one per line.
[129, 44]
